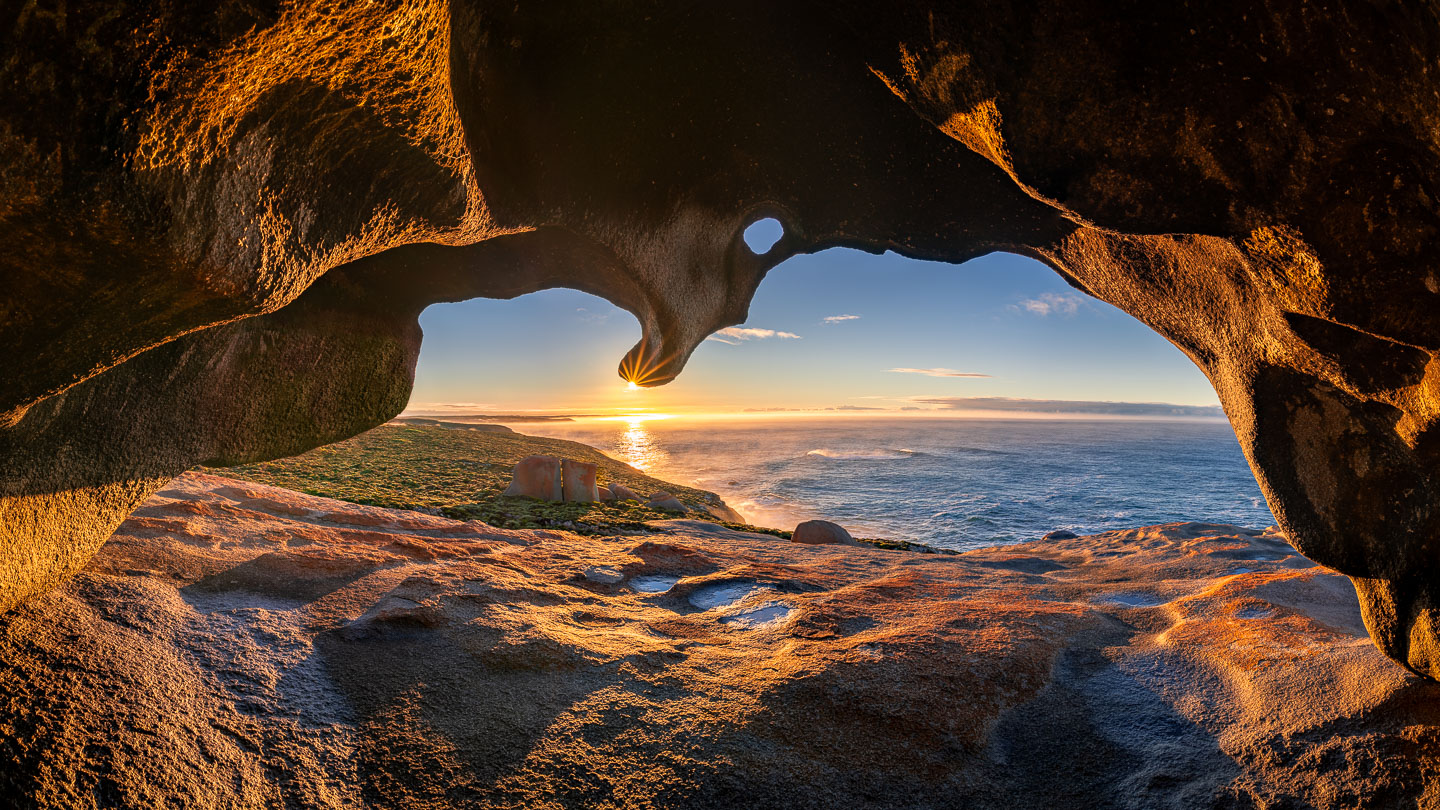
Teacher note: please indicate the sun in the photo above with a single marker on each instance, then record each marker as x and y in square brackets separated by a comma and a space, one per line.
[631, 386]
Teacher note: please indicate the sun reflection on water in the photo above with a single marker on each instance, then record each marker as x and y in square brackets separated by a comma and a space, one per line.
[636, 444]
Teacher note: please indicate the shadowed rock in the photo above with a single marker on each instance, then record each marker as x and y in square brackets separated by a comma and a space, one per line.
[820, 532]
[217, 228]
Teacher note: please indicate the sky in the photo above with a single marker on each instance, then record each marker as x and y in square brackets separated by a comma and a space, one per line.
[839, 329]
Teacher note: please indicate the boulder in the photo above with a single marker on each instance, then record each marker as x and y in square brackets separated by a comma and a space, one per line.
[721, 510]
[579, 481]
[605, 493]
[536, 477]
[820, 533]
[668, 502]
[622, 492]
[1060, 534]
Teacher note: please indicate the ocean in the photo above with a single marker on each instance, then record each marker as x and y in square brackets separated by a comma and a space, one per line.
[953, 483]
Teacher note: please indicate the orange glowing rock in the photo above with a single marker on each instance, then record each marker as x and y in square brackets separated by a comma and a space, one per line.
[537, 477]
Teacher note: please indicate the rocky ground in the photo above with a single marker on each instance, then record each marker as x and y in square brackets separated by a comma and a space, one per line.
[238, 645]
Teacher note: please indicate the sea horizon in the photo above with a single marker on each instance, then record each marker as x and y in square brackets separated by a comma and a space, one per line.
[952, 482]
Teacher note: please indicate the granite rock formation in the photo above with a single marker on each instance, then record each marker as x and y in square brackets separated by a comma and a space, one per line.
[242, 646]
[217, 225]
[579, 481]
[821, 532]
[537, 477]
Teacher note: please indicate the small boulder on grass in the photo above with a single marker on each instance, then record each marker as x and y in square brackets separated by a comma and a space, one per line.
[667, 502]
[605, 493]
[622, 492]
[821, 533]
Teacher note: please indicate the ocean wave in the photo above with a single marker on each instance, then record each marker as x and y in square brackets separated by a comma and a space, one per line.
[863, 455]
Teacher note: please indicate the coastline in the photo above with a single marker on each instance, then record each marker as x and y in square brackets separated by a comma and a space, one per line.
[955, 483]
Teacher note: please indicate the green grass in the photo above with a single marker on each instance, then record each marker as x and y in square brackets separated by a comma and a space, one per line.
[462, 473]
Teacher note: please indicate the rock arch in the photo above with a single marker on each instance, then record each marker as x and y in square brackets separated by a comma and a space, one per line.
[219, 227]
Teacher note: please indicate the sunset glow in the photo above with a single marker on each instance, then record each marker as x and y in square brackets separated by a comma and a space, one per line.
[840, 332]
[637, 417]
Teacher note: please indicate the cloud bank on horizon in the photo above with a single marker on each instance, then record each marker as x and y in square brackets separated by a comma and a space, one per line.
[940, 372]
[1065, 406]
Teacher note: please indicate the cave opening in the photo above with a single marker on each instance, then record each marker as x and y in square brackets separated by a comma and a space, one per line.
[955, 406]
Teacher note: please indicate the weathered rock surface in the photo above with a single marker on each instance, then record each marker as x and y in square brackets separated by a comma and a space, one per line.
[579, 481]
[604, 493]
[819, 533]
[261, 198]
[246, 646]
[537, 477]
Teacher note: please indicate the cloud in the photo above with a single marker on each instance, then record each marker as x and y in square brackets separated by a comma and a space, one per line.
[739, 333]
[839, 318]
[940, 372]
[814, 410]
[1049, 303]
[592, 317]
[448, 408]
[1065, 406]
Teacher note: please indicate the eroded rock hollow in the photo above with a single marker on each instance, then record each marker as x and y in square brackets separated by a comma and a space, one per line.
[219, 226]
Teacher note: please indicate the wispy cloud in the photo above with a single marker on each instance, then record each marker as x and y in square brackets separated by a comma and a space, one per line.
[449, 407]
[940, 372]
[839, 318]
[1051, 304]
[739, 333]
[592, 317]
[814, 410]
[1066, 406]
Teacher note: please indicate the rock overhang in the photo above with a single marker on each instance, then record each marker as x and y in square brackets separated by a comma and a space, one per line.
[1255, 187]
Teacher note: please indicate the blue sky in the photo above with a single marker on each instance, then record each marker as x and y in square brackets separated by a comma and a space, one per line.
[841, 321]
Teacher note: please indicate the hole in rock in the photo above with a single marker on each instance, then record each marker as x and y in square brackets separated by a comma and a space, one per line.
[765, 614]
[724, 594]
[655, 583]
[762, 234]
[906, 400]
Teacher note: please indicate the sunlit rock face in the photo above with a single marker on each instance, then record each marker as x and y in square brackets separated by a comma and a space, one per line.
[237, 645]
[220, 226]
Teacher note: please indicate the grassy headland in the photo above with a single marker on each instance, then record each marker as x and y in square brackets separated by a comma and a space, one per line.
[462, 473]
